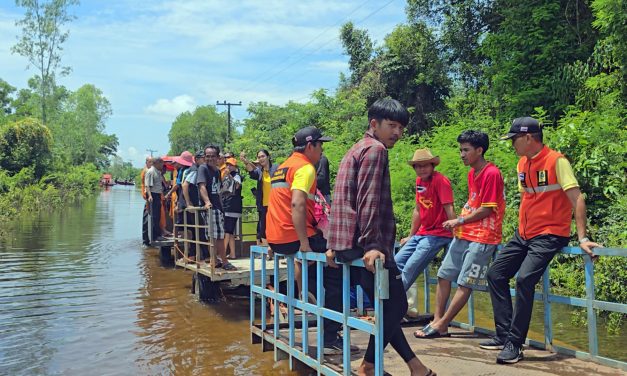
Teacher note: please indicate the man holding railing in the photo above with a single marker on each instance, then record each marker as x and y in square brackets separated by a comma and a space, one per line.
[549, 192]
[362, 225]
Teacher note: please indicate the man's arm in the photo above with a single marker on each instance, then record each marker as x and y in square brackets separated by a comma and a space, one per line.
[475, 216]
[202, 188]
[579, 203]
[415, 224]
[450, 211]
[299, 218]
[188, 200]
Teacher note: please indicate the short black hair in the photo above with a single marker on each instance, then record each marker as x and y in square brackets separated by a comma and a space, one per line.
[388, 109]
[476, 139]
[214, 147]
[538, 136]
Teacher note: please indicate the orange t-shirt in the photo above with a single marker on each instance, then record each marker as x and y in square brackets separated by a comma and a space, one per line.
[484, 190]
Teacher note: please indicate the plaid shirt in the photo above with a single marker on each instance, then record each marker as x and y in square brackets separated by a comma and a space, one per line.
[361, 213]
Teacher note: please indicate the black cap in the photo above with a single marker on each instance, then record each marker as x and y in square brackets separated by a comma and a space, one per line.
[309, 134]
[200, 154]
[522, 125]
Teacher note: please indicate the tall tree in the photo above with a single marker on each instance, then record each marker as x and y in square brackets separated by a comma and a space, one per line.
[193, 130]
[41, 42]
[6, 91]
[358, 46]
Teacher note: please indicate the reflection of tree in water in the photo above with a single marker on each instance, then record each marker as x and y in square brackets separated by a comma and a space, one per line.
[179, 333]
[45, 261]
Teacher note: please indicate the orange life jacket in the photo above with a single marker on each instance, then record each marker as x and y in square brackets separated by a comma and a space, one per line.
[279, 226]
[545, 207]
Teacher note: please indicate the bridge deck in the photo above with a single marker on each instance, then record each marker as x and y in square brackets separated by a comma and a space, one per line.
[460, 355]
[241, 276]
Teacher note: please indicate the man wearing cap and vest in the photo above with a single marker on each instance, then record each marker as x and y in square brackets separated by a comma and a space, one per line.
[549, 192]
[290, 223]
[477, 234]
[434, 206]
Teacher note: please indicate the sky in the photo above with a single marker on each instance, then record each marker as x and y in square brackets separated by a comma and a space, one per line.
[154, 59]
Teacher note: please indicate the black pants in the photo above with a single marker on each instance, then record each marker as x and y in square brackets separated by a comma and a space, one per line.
[394, 308]
[155, 209]
[530, 259]
[204, 221]
[331, 280]
[145, 224]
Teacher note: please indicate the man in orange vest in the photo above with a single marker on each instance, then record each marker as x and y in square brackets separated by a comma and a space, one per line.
[549, 192]
[290, 222]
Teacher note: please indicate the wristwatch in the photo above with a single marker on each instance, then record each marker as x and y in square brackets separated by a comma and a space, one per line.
[584, 239]
[460, 219]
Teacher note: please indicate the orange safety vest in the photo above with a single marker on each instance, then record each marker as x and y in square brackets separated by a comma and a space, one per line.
[142, 176]
[545, 207]
[279, 226]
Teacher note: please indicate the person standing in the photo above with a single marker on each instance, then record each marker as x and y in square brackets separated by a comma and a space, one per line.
[262, 174]
[362, 225]
[549, 193]
[434, 206]
[208, 181]
[192, 199]
[231, 194]
[146, 213]
[153, 182]
[477, 234]
[323, 178]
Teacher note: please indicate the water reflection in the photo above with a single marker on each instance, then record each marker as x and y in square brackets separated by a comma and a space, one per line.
[79, 295]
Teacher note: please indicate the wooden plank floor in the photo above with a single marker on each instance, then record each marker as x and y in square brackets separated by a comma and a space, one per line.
[240, 276]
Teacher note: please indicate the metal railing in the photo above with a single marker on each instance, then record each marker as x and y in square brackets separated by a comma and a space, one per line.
[292, 350]
[589, 302]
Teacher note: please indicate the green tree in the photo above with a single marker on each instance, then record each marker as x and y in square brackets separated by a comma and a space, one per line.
[41, 42]
[6, 91]
[193, 130]
[25, 143]
[358, 46]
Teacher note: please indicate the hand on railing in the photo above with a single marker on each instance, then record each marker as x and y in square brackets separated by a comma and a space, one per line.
[331, 258]
[370, 257]
[587, 246]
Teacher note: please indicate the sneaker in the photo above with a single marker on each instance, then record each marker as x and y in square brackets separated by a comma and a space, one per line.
[337, 347]
[494, 343]
[510, 354]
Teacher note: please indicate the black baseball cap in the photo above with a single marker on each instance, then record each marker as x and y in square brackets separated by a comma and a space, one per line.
[523, 125]
[200, 154]
[309, 134]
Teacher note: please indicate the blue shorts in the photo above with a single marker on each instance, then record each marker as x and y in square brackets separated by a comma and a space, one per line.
[467, 263]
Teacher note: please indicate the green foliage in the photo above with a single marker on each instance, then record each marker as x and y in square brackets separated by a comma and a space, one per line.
[25, 143]
[193, 130]
[358, 46]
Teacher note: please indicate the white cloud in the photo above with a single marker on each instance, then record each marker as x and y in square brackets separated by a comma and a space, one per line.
[172, 107]
[132, 152]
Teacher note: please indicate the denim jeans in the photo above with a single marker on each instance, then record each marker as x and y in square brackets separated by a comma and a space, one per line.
[416, 254]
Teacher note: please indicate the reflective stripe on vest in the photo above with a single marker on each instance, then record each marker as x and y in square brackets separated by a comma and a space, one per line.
[283, 184]
[546, 188]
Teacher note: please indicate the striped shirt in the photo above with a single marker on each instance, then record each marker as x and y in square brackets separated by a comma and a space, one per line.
[361, 214]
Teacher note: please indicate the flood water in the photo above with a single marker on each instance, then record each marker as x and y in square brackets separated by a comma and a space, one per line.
[79, 295]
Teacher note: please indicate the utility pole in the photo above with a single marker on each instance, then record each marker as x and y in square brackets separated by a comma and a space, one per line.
[151, 151]
[228, 109]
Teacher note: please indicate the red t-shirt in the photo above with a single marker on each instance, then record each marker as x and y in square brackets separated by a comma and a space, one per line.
[487, 190]
[431, 196]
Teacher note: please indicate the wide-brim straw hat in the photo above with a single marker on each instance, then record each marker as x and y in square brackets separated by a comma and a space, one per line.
[424, 155]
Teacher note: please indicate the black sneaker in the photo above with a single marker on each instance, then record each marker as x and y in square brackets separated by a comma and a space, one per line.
[494, 343]
[336, 348]
[510, 354]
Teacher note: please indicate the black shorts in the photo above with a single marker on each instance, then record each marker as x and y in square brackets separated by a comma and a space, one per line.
[230, 224]
[261, 225]
[317, 243]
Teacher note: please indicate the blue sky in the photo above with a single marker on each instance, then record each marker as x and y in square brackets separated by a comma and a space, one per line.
[155, 59]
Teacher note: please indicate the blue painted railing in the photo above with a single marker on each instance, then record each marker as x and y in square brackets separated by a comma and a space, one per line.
[292, 350]
[589, 302]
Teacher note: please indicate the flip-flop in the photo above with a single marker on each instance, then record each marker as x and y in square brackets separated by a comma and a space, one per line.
[430, 373]
[431, 333]
[229, 267]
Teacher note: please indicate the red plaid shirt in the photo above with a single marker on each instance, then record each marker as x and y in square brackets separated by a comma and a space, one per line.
[361, 213]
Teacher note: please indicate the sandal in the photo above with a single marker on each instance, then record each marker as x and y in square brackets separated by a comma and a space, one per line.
[429, 333]
[229, 267]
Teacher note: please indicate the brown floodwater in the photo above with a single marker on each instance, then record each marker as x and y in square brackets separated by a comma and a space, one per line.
[79, 295]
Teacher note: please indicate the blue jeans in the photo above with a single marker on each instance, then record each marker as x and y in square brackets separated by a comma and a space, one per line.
[416, 255]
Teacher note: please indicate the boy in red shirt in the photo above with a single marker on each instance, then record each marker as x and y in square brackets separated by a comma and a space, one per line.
[477, 234]
[434, 206]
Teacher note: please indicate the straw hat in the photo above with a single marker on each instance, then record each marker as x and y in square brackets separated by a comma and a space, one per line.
[424, 155]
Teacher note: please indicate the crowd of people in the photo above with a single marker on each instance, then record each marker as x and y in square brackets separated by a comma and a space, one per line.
[298, 213]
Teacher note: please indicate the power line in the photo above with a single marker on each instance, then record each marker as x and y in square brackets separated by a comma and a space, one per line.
[228, 125]
[306, 44]
[317, 49]
[151, 151]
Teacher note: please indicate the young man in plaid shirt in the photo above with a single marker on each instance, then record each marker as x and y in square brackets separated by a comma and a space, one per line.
[362, 224]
